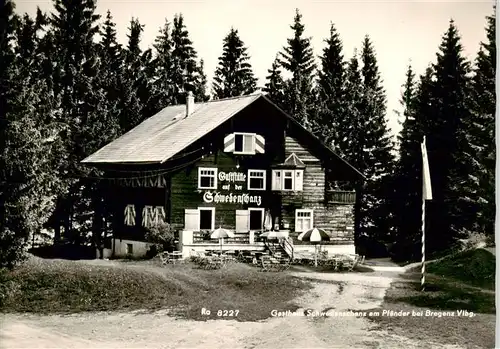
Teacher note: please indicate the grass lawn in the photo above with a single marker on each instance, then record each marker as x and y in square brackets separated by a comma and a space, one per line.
[463, 281]
[59, 286]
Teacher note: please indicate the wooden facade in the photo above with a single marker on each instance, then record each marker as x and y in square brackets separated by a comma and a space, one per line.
[142, 194]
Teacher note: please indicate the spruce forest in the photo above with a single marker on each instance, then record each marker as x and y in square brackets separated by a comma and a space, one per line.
[67, 88]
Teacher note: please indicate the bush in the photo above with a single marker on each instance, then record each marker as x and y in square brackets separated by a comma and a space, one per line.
[161, 237]
[472, 240]
[13, 249]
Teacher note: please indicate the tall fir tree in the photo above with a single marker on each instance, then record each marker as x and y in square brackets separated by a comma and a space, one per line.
[84, 109]
[187, 74]
[328, 121]
[349, 137]
[162, 69]
[407, 179]
[480, 132]
[234, 76]
[274, 86]
[131, 78]
[377, 148]
[27, 177]
[451, 209]
[298, 59]
[200, 89]
[111, 61]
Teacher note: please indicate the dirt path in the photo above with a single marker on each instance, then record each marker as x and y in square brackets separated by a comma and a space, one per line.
[333, 292]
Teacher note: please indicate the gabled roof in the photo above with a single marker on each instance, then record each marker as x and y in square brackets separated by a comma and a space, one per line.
[168, 132]
[165, 134]
[292, 161]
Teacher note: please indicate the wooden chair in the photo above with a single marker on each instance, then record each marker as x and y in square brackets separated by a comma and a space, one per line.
[163, 258]
[266, 263]
[352, 261]
[214, 263]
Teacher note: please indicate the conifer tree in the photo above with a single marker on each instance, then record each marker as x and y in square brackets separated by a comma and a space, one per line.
[162, 69]
[330, 96]
[186, 74]
[111, 61]
[84, 109]
[377, 148]
[234, 75]
[27, 179]
[298, 56]
[298, 59]
[131, 79]
[481, 131]
[406, 182]
[274, 86]
[201, 86]
[349, 137]
[451, 209]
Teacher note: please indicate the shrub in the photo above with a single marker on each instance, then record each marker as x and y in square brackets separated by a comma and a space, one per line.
[13, 248]
[472, 240]
[161, 237]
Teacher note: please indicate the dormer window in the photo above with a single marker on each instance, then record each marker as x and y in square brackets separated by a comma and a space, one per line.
[244, 143]
[290, 176]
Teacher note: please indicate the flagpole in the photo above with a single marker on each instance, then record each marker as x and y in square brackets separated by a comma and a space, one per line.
[426, 195]
[422, 283]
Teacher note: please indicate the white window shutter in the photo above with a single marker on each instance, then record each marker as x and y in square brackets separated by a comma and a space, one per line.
[242, 221]
[299, 180]
[129, 215]
[276, 180]
[160, 215]
[191, 219]
[148, 216]
[229, 142]
[259, 144]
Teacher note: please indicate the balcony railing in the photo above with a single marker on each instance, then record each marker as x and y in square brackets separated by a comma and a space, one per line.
[202, 237]
[340, 197]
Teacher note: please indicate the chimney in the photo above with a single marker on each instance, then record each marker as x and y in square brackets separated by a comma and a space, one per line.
[189, 103]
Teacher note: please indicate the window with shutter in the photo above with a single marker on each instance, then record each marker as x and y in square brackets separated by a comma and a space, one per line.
[288, 180]
[242, 221]
[244, 143]
[191, 219]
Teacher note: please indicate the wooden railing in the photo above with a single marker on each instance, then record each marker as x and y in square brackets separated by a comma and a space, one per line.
[239, 238]
[340, 197]
[287, 245]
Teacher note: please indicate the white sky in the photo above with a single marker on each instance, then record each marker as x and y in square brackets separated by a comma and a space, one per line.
[400, 30]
